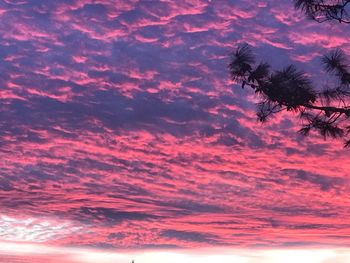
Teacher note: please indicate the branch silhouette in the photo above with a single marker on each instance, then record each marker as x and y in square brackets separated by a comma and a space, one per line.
[326, 111]
[325, 10]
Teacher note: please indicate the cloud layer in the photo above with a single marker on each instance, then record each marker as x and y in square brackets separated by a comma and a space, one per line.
[119, 119]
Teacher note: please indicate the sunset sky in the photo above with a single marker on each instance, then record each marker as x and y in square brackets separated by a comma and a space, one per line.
[122, 136]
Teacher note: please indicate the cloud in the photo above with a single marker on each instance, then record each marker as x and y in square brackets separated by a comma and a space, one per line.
[122, 118]
[108, 215]
[188, 236]
[326, 183]
[34, 229]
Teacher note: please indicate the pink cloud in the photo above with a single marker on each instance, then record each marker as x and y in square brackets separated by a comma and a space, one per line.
[122, 117]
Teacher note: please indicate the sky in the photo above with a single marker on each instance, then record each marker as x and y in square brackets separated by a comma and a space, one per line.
[122, 136]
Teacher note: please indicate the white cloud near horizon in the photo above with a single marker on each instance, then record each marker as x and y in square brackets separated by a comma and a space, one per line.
[34, 229]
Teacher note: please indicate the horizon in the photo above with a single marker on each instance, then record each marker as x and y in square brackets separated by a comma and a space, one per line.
[42, 253]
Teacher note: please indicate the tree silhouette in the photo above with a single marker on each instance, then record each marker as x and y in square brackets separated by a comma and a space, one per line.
[324, 10]
[325, 110]
[289, 89]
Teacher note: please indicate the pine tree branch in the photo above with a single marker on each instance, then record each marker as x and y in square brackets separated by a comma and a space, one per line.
[329, 109]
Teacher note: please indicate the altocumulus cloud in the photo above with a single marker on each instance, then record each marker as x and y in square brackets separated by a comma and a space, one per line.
[120, 128]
